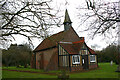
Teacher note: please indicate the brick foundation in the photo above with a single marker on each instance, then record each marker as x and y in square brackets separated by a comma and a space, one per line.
[92, 66]
[77, 68]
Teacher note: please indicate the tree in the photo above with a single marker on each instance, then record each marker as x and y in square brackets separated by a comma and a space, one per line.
[110, 53]
[17, 55]
[27, 18]
[101, 17]
[26, 54]
[104, 18]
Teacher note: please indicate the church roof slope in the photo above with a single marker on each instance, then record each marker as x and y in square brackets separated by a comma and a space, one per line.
[92, 51]
[73, 48]
[50, 41]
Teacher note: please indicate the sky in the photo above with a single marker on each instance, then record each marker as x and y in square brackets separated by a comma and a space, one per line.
[71, 6]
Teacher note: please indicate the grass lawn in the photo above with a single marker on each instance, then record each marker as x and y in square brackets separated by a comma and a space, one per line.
[13, 74]
[28, 69]
[105, 71]
[22, 69]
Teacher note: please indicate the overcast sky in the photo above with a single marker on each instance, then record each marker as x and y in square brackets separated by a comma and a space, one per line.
[71, 7]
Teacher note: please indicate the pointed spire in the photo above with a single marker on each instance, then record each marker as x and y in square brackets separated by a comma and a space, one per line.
[67, 22]
[67, 18]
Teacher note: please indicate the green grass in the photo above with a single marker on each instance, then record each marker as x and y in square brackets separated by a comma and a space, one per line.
[13, 74]
[105, 71]
[29, 69]
[22, 69]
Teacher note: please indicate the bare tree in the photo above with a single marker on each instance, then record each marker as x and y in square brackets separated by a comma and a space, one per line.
[29, 18]
[101, 17]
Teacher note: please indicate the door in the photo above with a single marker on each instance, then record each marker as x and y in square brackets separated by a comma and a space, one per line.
[85, 61]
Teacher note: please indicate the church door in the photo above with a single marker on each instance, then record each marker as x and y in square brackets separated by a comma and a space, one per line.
[85, 61]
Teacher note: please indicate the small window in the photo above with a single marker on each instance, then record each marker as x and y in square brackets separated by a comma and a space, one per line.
[76, 59]
[92, 58]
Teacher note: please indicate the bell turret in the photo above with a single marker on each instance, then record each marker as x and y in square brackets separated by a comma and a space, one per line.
[67, 22]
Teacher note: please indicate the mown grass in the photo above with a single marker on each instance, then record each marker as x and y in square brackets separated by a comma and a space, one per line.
[13, 74]
[30, 69]
[105, 70]
[22, 69]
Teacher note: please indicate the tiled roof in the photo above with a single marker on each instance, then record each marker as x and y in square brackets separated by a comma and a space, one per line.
[65, 36]
[73, 48]
[69, 35]
[92, 51]
[50, 41]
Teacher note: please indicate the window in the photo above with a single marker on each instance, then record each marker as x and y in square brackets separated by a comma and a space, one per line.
[76, 59]
[92, 58]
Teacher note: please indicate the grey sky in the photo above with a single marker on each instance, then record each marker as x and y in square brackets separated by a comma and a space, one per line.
[71, 5]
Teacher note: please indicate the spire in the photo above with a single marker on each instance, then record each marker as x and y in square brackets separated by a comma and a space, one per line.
[67, 18]
[67, 22]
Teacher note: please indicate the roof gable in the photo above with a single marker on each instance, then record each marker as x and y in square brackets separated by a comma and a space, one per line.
[75, 47]
[72, 48]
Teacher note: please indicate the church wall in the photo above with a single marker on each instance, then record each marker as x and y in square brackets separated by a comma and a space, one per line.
[49, 59]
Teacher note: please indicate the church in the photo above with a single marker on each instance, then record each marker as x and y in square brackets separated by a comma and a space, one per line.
[65, 50]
